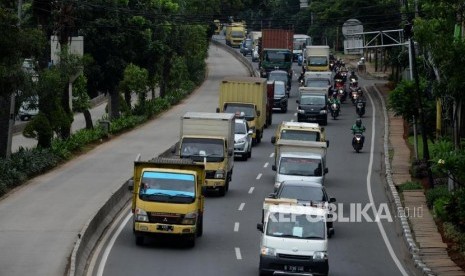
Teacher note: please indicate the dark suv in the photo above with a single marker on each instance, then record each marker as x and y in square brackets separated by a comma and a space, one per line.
[312, 107]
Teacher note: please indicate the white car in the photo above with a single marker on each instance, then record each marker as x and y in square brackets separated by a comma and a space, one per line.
[242, 139]
[255, 55]
[28, 109]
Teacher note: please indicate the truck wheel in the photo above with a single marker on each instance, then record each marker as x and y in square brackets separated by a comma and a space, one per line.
[259, 136]
[190, 242]
[222, 191]
[139, 240]
[199, 227]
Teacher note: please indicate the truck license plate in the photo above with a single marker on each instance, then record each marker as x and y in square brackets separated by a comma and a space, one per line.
[164, 227]
[294, 268]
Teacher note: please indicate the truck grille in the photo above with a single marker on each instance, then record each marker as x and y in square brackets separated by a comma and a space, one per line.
[295, 257]
[167, 218]
[210, 174]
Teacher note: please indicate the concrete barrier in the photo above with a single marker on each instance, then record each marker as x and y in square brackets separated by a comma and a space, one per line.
[94, 228]
[238, 56]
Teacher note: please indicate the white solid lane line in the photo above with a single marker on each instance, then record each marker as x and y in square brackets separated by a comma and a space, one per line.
[241, 207]
[251, 190]
[238, 253]
[266, 165]
[236, 227]
[370, 194]
[107, 251]
[259, 176]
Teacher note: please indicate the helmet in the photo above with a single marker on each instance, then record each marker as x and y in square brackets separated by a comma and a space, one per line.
[334, 94]
[358, 122]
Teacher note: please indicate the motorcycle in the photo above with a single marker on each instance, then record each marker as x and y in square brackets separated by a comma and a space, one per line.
[353, 95]
[334, 110]
[360, 108]
[357, 142]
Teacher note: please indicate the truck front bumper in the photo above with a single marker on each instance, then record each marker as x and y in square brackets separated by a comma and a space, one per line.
[284, 266]
[214, 183]
[153, 229]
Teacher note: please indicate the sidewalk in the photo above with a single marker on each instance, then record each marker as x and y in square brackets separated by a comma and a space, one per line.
[425, 243]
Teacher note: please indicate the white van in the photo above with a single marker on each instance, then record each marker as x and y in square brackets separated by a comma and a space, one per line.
[294, 241]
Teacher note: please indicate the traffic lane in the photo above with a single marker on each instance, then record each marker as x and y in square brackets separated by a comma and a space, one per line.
[75, 191]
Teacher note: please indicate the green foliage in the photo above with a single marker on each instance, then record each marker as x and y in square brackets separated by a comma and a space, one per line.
[81, 100]
[453, 233]
[448, 161]
[440, 208]
[410, 185]
[437, 192]
[402, 100]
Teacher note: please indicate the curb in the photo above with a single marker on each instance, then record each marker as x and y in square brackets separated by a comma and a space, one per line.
[413, 249]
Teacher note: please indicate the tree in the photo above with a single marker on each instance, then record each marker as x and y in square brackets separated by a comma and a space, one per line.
[16, 44]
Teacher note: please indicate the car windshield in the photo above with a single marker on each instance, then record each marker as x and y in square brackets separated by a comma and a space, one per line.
[312, 100]
[240, 128]
[300, 166]
[296, 226]
[199, 148]
[279, 88]
[277, 56]
[316, 83]
[248, 43]
[248, 109]
[302, 193]
[301, 135]
[318, 61]
[167, 187]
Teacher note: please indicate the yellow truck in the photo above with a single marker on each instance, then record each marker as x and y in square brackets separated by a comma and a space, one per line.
[247, 95]
[167, 199]
[209, 137]
[300, 131]
[235, 34]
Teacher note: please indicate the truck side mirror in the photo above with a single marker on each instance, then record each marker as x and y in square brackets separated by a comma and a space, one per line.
[330, 232]
[258, 112]
[250, 132]
[217, 110]
[260, 227]
[326, 170]
[273, 167]
[173, 149]
[130, 183]
[273, 139]
[332, 199]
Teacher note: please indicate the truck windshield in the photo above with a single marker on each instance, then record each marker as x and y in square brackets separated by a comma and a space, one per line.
[318, 61]
[237, 34]
[312, 100]
[278, 56]
[237, 108]
[199, 148]
[295, 226]
[300, 166]
[167, 187]
[302, 135]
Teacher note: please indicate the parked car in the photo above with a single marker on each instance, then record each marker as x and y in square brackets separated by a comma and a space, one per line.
[29, 109]
[307, 193]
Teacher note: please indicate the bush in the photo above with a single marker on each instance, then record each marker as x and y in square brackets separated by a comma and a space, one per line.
[441, 208]
[433, 194]
[452, 233]
[410, 185]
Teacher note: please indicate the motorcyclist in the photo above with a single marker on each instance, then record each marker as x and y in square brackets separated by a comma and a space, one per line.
[353, 75]
[334, 99]
[358, 128]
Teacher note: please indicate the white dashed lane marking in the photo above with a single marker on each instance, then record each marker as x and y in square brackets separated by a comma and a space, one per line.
[266, 165]
[259, 176]
[251, 190]
[236, 227]
[241, 207]
[238, 253]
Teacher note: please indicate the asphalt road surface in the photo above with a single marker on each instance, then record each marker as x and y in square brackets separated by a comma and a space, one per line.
[230, 241]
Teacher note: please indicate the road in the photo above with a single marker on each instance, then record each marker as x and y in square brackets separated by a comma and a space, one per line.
[41, 220]
[230, 242]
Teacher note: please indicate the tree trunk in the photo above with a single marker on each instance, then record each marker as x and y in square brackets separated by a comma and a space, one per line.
[88, 119]
[113, 109]
[4, 123]
[65, 131]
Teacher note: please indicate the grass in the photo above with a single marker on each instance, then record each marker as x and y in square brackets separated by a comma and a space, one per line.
[410, 185]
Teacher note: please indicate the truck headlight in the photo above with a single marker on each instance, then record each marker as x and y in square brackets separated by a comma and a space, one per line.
[323, 111]
[141, 215]
[190, 218]
[267, 251]
[219, 174]
[320, 256]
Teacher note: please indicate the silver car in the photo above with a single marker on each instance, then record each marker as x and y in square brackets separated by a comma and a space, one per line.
[242, 139]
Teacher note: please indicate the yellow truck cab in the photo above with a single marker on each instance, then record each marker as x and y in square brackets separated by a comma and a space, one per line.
[300, 131]
[208, 137]
[167, 199]
[235, 34]
[247, 95]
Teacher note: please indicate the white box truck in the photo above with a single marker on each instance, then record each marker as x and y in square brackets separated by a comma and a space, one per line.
[209, 137]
